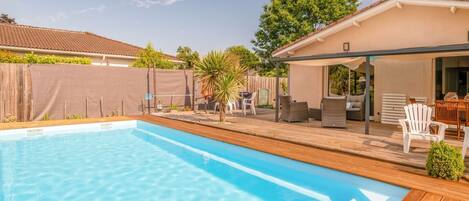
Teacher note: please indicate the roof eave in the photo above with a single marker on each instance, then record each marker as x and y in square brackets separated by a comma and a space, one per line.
[25, 49]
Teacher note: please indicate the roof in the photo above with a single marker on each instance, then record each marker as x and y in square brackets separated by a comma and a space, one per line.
[75, 42]
[355, 18]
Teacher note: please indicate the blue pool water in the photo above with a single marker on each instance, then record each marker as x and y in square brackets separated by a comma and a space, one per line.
[150, 162]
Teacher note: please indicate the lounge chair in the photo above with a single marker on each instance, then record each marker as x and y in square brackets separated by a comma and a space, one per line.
[417, 125]
[333, 112]
[293, 111]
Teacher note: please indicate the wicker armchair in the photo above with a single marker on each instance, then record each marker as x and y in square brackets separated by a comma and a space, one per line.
[333, 112]
[293, 111]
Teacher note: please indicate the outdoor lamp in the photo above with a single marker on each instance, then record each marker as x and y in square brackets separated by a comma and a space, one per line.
[346, 46]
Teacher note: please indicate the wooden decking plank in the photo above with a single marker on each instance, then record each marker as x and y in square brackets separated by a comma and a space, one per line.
[431, 197]
[378, 170]
[414, 195]
[449, 199]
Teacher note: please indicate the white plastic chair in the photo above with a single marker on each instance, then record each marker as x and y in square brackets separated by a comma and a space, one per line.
[230, 106]
[417, 125]
[251, 102]
[465, 144]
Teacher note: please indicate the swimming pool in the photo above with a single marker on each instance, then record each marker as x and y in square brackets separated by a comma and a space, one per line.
[135, 160]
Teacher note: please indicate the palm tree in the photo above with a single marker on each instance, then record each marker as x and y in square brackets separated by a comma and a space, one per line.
[221, 77]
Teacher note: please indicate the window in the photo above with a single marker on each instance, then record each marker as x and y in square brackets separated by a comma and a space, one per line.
[343, 81]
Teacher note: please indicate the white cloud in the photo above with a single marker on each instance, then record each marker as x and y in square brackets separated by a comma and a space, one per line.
[149, 3]
[58, 17]
[99, 8]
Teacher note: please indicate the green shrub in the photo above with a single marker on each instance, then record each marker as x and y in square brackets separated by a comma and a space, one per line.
[9, 118]
[46, 117]
[74, 116]
[173, 107]
[114, 114]
[31, 58]
[8, 57]
[445, 161]
[265, 106]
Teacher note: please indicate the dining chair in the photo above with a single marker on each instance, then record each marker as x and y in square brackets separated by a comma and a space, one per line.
[466, 98]
[465, 111]
[448, 112]
[451, 96]
[465, 144]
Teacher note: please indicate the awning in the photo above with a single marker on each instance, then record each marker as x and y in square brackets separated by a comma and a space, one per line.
[349, 62]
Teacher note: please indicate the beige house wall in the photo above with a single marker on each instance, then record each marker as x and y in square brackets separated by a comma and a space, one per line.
[114, 62]
[414, 78]
[410, 26]
[306, 84]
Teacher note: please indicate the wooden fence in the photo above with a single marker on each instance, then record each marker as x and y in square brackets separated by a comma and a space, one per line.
[254, 83]
[15, 92]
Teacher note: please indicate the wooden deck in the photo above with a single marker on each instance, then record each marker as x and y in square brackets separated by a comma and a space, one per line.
[384, 142]
[422, 187]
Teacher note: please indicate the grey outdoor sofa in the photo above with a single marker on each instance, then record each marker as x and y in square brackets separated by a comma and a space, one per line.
[355, 111]
[356, 107]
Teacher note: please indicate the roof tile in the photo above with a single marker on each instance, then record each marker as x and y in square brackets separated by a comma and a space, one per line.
[63, 40]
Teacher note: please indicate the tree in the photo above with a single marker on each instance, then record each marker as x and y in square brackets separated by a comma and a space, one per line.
[339, 77]
[221, 77]
[5, 19]
[150, 58]
[284, 21]
[247, 58]
[189, 56]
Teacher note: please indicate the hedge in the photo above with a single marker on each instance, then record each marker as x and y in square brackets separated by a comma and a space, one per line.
[31, 58]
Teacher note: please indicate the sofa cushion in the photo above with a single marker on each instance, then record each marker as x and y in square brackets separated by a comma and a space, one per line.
[356, 105]
[349, 105]
[353, 110]
[358, 98]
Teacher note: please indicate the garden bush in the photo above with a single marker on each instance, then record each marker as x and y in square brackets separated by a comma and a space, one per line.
[445, 161]
[31, 58]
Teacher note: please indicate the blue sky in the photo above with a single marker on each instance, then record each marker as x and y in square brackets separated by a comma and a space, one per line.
[203, 25]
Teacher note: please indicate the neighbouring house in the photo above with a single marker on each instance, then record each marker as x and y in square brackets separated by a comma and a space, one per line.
[103, 51]
[416, 48]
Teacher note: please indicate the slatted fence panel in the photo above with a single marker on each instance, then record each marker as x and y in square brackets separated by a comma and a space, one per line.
[254, 83]
[15, 92]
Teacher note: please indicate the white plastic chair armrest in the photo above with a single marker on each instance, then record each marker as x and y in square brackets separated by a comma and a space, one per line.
[403, 123]
[441, 129]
